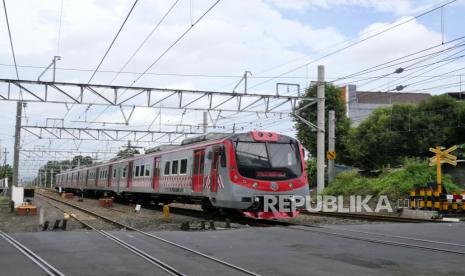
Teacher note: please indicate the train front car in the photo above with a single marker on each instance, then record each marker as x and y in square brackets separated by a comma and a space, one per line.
[266, 171]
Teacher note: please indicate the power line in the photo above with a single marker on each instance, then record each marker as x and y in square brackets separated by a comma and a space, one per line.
[413, 76]
[175, 42]
[107, 51]
[113, 41]
[370, 69]
[168, 49]
[358, 41]
[149, 35]
[422, 58]
[11, 39]
[59, 29]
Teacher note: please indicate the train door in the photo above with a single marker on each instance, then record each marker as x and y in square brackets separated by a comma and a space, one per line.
[214, 170]
[110, 175]
[86, 180]
[130, 165]
[197, 173]
[156, 173]
[97, 176]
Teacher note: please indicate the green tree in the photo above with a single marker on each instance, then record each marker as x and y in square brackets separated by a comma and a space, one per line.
[391, 134]
[382, 138]
[333, 101]
[129, 152]
[6, 172]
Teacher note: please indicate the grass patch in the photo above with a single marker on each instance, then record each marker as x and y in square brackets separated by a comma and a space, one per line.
[395, 184]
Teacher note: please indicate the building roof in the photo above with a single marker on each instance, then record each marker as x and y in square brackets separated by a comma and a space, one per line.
[390, 97]
[457, 95]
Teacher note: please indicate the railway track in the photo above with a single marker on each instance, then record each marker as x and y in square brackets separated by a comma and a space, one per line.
[391, 240]
[368, 217]
[161, 264]
[41, 263]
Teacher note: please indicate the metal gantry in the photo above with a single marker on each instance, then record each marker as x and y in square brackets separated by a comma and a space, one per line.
[108, 134]
[128, 96]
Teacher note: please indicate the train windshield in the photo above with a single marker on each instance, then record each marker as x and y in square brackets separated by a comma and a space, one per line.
[268, 161]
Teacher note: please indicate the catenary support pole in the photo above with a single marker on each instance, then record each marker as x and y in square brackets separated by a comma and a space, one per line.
[19, 111]
[321, 129]
[205, 122]
[331, 144]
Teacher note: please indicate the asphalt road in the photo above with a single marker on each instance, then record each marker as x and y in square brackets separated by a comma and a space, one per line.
[267, 251]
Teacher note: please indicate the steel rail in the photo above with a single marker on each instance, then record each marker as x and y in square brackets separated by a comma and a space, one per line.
[160, 264]
[369, 217]
[401, 237]
[243, 270]
[377, 241]
[44, 265]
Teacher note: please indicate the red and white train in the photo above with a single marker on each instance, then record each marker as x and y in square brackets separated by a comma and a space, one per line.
[221, 171]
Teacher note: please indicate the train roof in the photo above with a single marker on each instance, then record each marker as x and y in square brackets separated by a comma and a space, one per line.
[197, 140]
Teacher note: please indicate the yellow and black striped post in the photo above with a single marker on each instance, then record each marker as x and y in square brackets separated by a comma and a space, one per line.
[454, 204]
[429, 199]
[422, 198]
[412, 198]
[437, 201]
[463, 199]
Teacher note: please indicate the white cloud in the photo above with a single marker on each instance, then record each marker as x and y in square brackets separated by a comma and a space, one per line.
[397, 7]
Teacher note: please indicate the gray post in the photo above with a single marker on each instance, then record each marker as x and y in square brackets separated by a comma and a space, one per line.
[320, 157]
[19, 112]
[205, 122]
[331, 143]
[51, 178]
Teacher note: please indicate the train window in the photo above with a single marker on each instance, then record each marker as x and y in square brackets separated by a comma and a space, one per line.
[183, 169]
[142, 169]
[222, 156]
[174, 167]
[114, 172]
[202, 164]
[147, 169]
[136, 173]
[167, 168]
[125, 170]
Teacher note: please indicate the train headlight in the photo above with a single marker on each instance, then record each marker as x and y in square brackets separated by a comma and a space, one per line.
[255, 185]
[291, 185]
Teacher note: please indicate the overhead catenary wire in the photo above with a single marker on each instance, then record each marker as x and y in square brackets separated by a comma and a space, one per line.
[359, 41]
[59, 28]
[147, 37]
[108, 49]
[175, 42]
[167, 49]
[113, 41]
[11, 45]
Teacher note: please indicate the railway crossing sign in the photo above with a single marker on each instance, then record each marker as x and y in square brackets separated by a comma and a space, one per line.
[442, 156]
[331, 155]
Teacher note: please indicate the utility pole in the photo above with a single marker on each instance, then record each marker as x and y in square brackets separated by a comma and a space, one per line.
[320, 157]
[4, 163]
[51, 178]
[45, 181]
[331, 144]
[19, 112]
[205, 122]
